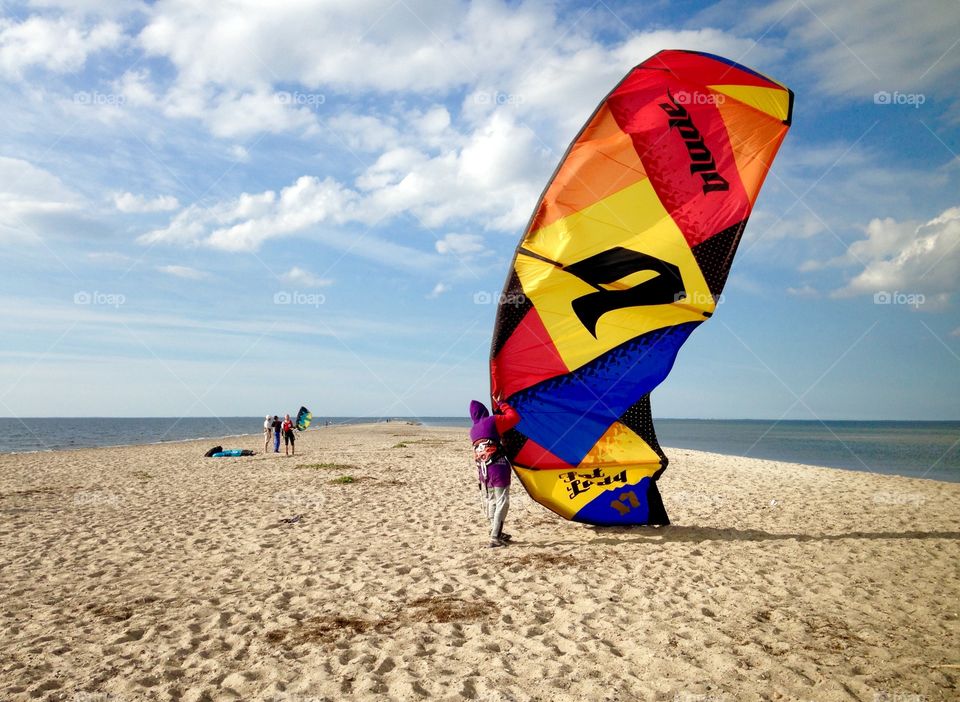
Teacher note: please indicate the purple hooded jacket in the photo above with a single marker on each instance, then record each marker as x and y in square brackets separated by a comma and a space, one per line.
[492, 427]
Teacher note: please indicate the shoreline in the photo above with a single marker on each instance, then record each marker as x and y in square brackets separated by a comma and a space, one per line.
[180, 441]
[671, 451]
[676, 450]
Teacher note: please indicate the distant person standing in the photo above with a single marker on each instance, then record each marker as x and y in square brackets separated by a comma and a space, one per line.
[493, 466]
[267, 432]
[276, 424]
[289, 440]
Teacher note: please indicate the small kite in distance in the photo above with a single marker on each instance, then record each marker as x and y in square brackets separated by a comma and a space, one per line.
[304, 417]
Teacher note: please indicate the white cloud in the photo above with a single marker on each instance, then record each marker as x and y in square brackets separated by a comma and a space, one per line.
[310, 43]
[859, 48]
[299, 276]
[235, 114]
[136, 89]
[29, 196]
[768, 227]
[434, 121]
[523, 58]
[128, 202]
[495, 177]
[310, 207]
[901, 256]
[803, 291]
[239, 153]
[438, 290]
[568, 80]
[58, 45]
[307, 202]
[183, 272]
[365, 132]
[811, 265]
[25, 188]
[110, 8]
[461, 244]
[245, 223]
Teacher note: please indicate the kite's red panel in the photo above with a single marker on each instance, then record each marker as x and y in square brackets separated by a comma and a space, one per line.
[532, 355]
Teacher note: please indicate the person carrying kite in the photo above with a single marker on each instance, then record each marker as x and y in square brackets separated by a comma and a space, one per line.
[493, 466]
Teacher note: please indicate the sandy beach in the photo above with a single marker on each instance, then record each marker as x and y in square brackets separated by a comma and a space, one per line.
[152, 573]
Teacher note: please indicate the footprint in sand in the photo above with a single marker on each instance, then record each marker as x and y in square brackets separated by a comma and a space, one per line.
[385, 667]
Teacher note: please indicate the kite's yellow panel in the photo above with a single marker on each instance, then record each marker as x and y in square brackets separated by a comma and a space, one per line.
[632, 219]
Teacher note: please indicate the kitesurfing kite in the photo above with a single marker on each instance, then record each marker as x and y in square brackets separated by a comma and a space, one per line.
[304, 417]
[625, 254]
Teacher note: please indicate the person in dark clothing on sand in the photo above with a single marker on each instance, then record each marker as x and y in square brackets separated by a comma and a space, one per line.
[493, 466]
[277, 424]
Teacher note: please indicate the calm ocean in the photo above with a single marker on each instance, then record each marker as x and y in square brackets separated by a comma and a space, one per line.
[914, 449]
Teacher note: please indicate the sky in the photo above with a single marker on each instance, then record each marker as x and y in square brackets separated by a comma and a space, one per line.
[229, 209]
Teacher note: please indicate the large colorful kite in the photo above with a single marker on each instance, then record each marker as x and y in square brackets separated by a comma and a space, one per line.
[624, 256]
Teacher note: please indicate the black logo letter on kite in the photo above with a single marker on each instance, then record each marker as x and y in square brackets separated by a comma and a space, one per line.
[617, 263]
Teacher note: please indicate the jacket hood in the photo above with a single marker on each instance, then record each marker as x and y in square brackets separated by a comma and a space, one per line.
[478, 411]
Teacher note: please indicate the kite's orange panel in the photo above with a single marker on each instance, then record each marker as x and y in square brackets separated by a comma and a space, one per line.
[600, 163]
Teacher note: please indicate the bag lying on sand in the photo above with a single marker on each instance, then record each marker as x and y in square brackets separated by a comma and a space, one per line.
[230, 453]
[215, 449]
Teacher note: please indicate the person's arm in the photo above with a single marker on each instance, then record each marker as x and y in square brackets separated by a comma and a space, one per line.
[507, 419]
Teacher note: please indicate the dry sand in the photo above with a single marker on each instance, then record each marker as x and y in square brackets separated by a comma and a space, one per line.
[152, 573]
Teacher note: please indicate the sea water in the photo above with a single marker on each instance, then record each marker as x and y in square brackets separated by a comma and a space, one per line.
[914, 449]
